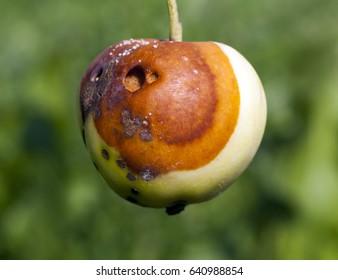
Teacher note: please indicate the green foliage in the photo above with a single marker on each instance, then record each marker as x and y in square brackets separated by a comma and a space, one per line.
[53, 203]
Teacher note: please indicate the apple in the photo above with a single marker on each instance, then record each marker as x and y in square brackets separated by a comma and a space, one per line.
[170, 123]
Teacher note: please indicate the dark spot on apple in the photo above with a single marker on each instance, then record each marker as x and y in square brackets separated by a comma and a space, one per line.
[131, 177]
[147, 175]
[121, 163]
[132, 200]
[134, 191]
[131, 124]
[105, 154]
[176, 207]
[145, 135]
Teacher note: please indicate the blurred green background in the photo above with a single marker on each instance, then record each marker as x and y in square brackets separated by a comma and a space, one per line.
[53, 203]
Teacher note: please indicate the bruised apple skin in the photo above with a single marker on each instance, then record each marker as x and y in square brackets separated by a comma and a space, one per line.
[170, 123]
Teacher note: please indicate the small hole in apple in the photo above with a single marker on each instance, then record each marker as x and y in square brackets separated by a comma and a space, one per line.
[96, 73]
[135, 79]
[153, 77]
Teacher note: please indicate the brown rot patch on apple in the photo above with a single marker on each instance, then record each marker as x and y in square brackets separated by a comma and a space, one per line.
[162, 105]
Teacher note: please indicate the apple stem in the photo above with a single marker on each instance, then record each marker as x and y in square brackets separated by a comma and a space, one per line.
[175, 24]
